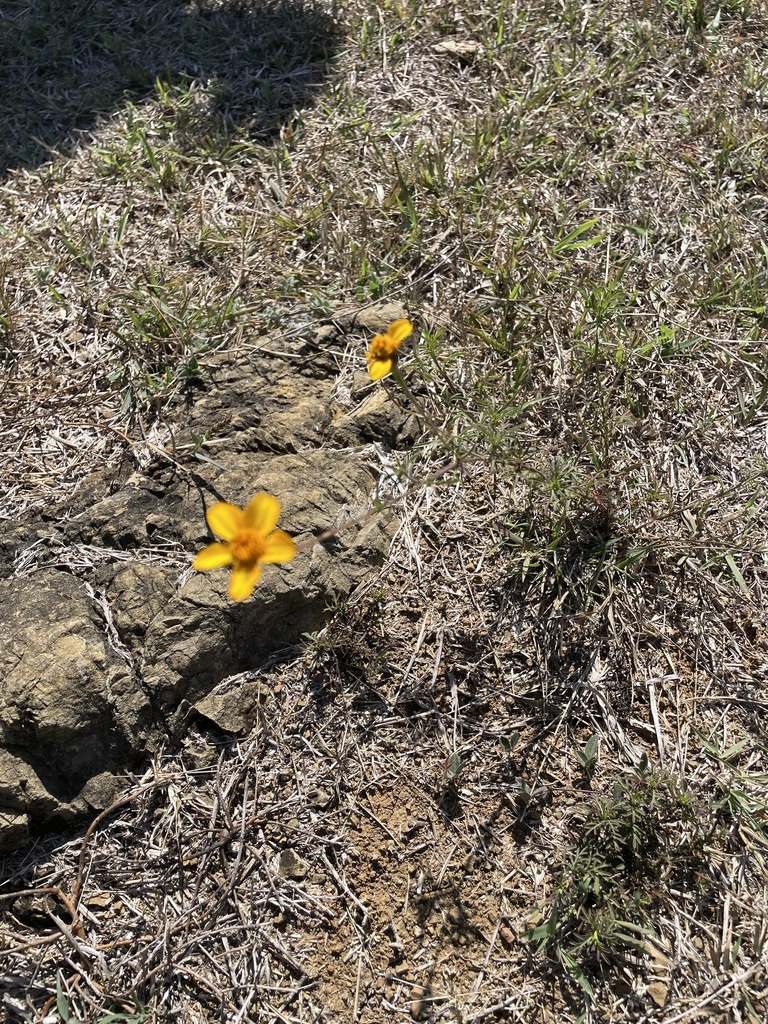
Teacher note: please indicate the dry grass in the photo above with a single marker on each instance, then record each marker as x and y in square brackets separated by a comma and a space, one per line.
[522, 776]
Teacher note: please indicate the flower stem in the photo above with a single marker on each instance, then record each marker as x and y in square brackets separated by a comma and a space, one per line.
[418, 406]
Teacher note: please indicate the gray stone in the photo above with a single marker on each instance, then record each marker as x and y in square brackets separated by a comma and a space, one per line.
[374, 319]
[101, 791]
[376, 419]
[290, 865]
[70, 707]
[14, 830]
[236, 710]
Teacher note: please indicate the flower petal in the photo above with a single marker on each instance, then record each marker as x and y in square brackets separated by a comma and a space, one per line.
[224, 519]
[213, 557]
[379, 368]
[399, 331]
[280, 547]
[262, 513]
[245, 576]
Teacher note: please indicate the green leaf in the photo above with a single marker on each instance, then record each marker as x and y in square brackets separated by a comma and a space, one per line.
[571, 240]
[454, 766]
[122, 1018]
[542, 933]
[508, 743]
[737, 575]
[590, 747]
[62, 1003]
[577, 974]
[586, 757]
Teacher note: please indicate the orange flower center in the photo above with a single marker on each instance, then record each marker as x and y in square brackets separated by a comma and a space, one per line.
[382, 347]
[248, 546]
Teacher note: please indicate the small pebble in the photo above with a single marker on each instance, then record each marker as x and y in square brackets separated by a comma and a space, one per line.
[455, 916]
[417, 1002]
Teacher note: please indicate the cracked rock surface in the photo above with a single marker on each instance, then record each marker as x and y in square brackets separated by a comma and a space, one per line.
[112, 644]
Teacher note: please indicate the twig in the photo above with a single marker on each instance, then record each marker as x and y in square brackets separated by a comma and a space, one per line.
[127, 799]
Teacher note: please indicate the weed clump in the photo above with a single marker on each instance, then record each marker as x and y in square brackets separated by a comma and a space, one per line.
[651, 835]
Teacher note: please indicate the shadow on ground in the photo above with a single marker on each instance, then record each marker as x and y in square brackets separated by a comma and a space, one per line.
[63, 66]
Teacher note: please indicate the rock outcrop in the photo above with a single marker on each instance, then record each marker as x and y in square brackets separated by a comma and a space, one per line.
[112, 644]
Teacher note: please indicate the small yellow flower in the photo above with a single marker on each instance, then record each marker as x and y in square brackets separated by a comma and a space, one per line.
[250, 539]
[382, 354]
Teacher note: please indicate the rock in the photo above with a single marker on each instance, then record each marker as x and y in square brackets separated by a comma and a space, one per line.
[112, 644]
[455, 916]
[136, 593]
[201, 637]
[659, 993]
[377, 419]
[463, 51]
[14, 830]
[34, 910]
[236, 709]
[416, 1006]
[199, 755]
[320, 798]
[53, 638]
[102, 791]
[21, 790]
[290, 865]
[374, 319]
[276, 412]
[70, 707]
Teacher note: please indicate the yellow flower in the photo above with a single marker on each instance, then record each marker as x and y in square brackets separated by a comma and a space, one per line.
[250, 539]
[382, 354]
